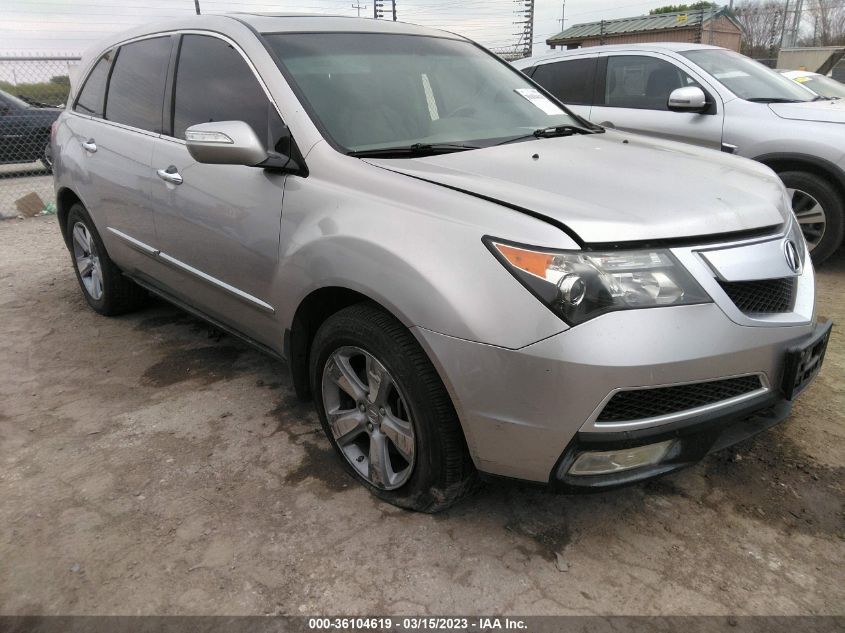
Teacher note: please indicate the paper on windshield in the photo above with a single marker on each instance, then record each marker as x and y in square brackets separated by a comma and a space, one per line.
[538, 99]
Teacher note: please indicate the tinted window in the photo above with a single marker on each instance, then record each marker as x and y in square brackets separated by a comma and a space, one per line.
[642, 82]
[93, 93]
[136, 88]
[570, 81]
[214, 83]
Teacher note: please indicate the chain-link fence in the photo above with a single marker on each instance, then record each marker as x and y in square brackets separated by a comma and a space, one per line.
[32, 92]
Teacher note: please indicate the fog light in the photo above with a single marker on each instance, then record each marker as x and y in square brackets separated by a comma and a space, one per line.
[604, 462]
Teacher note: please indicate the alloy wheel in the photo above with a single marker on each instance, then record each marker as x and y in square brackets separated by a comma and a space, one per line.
[811, 216]
[87, 261]
[368, 417]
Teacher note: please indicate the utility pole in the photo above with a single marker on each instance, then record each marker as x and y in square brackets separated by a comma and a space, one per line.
[378, 9]
[562, 17]
[359, 7]
[197, 6]
[525, 37]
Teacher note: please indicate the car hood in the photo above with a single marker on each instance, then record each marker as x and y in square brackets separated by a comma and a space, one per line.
[824, 111]
[613, 187]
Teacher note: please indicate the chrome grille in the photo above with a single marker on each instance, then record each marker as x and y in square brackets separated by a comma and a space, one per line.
[767, 296]
[639, 404]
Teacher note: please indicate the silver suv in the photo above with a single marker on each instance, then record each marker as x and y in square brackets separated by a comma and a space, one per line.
[715, 98]
[465, 277]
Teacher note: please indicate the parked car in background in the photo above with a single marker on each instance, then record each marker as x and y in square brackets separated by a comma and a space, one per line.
[25, 131]
[714, 98]
[464, 276]
[820, 84]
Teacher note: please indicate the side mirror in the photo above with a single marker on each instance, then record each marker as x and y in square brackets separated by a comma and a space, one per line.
[225, 143]
[688, 99]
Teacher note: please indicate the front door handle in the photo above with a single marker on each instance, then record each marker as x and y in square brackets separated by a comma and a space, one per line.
[171, 175]
[89, 146]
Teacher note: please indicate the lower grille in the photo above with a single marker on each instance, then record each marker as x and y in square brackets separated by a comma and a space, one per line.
[766, 296]
[639, 404]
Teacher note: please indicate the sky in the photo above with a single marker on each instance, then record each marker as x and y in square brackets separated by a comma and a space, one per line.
[68, 26]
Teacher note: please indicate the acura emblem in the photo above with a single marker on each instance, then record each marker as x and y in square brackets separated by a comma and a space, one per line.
[792, 258]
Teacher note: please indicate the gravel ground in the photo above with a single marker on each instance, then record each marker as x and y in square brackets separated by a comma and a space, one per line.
[148, 466]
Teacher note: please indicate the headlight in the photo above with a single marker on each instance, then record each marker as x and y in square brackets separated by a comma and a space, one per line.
[580, 285]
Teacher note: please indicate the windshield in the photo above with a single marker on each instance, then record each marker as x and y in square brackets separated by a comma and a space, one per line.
[821, 85]
[378, 90]
[15, 101]
[746, 78]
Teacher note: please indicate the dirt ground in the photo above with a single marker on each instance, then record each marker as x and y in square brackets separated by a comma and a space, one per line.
[147, 467]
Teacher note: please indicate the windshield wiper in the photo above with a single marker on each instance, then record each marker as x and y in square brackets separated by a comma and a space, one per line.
[821, 98]
[550, 132]
[417, 149]
[773, 100]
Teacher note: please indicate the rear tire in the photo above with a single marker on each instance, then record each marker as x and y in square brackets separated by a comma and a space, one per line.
[368, 371]
[810, 192]
[103, 285]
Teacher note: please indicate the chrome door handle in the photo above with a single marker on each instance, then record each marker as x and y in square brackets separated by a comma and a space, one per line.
[170, 175]
[89, 146]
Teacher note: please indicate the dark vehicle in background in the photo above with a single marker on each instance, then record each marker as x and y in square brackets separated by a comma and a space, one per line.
[25, 131]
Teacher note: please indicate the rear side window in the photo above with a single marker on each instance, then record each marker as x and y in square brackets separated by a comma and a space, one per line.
[635, 81]
[570, 81]
[214, 83]
[93, 94]
[136, 88]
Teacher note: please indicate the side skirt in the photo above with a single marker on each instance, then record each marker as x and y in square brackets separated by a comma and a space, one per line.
[149, 285]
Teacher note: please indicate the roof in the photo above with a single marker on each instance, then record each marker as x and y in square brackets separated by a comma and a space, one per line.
[272, 23]
[595, 50]
[290, 22]
[640, 23]
[792, 74]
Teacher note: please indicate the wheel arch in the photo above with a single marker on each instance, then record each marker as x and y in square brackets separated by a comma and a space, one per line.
[311, 313]
[789, 161]
[65, 199]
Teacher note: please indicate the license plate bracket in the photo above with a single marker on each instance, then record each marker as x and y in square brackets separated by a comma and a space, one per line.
[804, 361]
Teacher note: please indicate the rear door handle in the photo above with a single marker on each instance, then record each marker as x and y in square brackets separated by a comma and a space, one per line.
[89, 146]
[171, 175]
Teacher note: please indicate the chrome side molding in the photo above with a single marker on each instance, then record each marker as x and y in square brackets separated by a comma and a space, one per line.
[146, 249]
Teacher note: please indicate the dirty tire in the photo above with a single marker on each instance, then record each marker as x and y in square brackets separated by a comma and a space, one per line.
[833, 205]
[443, 472]
[120, 294]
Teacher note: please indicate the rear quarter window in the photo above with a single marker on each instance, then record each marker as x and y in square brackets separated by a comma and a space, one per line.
[93, 94]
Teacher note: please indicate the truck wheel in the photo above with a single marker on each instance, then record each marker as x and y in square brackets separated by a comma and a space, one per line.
[103, 285]
[386, 412]
[819, 209]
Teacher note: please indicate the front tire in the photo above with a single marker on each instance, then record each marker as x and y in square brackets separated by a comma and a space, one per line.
[386, 412]
[103, 285]
[819, 209]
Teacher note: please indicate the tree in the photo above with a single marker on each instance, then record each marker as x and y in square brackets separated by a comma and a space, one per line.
[680, 8]
[762, 26]
[828, 20]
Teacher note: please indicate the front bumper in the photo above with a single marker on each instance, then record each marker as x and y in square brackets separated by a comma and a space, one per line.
[526, 412]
